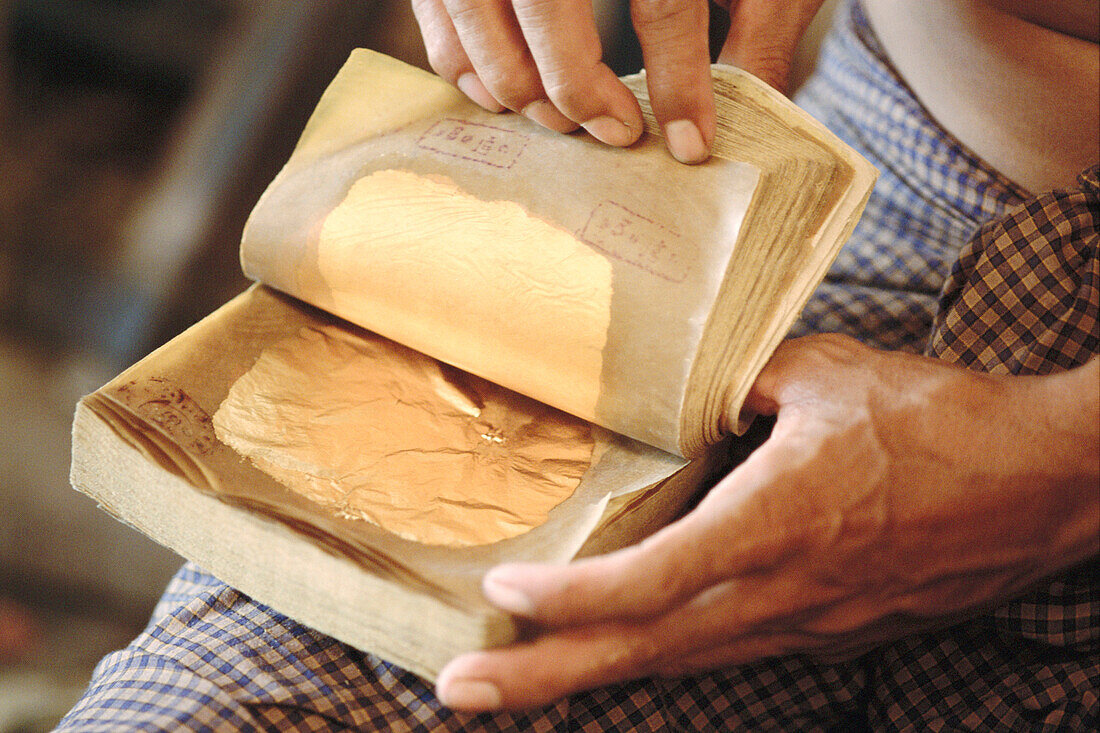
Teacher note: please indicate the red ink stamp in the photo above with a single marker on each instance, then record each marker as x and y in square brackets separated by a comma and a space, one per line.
[486, 144]
[624, 235]
[172, 410]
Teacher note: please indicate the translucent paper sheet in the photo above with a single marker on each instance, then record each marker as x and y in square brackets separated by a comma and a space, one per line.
[453, 231]
[164, 406]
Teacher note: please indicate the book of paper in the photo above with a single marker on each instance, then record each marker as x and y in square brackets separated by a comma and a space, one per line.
[492, 343]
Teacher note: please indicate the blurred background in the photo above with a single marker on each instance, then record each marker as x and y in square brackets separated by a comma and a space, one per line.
[135, 136]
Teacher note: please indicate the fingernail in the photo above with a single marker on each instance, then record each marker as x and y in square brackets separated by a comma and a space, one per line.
[547, 115]
[685, 143]
[472, 87]
[472, 695]
[609, 130]
[505, 596]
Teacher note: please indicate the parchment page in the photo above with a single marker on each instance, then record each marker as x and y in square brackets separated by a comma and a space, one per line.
[164, 404]
[574, 273]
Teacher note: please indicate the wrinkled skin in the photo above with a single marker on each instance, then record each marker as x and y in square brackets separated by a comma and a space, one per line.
[542, 58]
[894, 492]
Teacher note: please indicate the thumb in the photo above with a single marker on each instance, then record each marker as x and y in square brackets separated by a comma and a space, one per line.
[802, 369]
[764, 396]
[763, 36]
[815, 369]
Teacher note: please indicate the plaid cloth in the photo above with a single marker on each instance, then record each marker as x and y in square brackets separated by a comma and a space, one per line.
[931, 195]
[1022, 298]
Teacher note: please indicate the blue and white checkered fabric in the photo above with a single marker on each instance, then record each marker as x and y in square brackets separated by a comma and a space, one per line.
[211, 659]
[931, 195]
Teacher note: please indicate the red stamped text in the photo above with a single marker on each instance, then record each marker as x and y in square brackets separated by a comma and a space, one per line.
[630, 237]
[473, 141]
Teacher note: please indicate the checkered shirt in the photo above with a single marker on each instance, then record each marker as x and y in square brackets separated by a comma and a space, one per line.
[931, 195]
[1022, 298]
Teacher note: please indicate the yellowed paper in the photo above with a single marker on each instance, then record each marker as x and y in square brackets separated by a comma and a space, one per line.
[374, 431]
[334, 125]
[565, 226]
[201, 366]
[669, 285]
[464, 282]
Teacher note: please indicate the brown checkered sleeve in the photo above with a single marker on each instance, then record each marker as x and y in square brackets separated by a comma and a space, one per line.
[1024, 295]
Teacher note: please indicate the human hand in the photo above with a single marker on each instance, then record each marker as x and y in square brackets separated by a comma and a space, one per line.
[894, 492]
[542, 58]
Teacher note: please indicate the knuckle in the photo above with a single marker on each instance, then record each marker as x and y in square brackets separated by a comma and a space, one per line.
[679, 85]
[670, 581]
[570, 86]
[512, 81]
[827, 349]
[674, 667]
[573, 586]
[538, 10]
[473, 11]
[670, 16]
[572, 99]
[444, 63]
[576, 593]
[645, 653]
[773, 65]
[445, 55]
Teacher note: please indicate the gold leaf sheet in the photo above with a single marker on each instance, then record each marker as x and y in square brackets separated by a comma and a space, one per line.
[375, 431]
[461, 278]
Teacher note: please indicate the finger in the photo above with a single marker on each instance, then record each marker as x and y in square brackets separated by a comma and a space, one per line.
[548, 669]
[763, 397]
[753, 648]
[782, 629]
[763, 37]
[563, 662]
[673, 37]
[723, 538]
[446, 55]
[559, 663]
[565, 45]
[800, 368]
[858, 636]
[492, 40]
[732, 623]
[744, 650]
[785, 368]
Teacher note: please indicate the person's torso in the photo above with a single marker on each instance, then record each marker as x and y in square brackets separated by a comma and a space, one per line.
[1017, 82]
